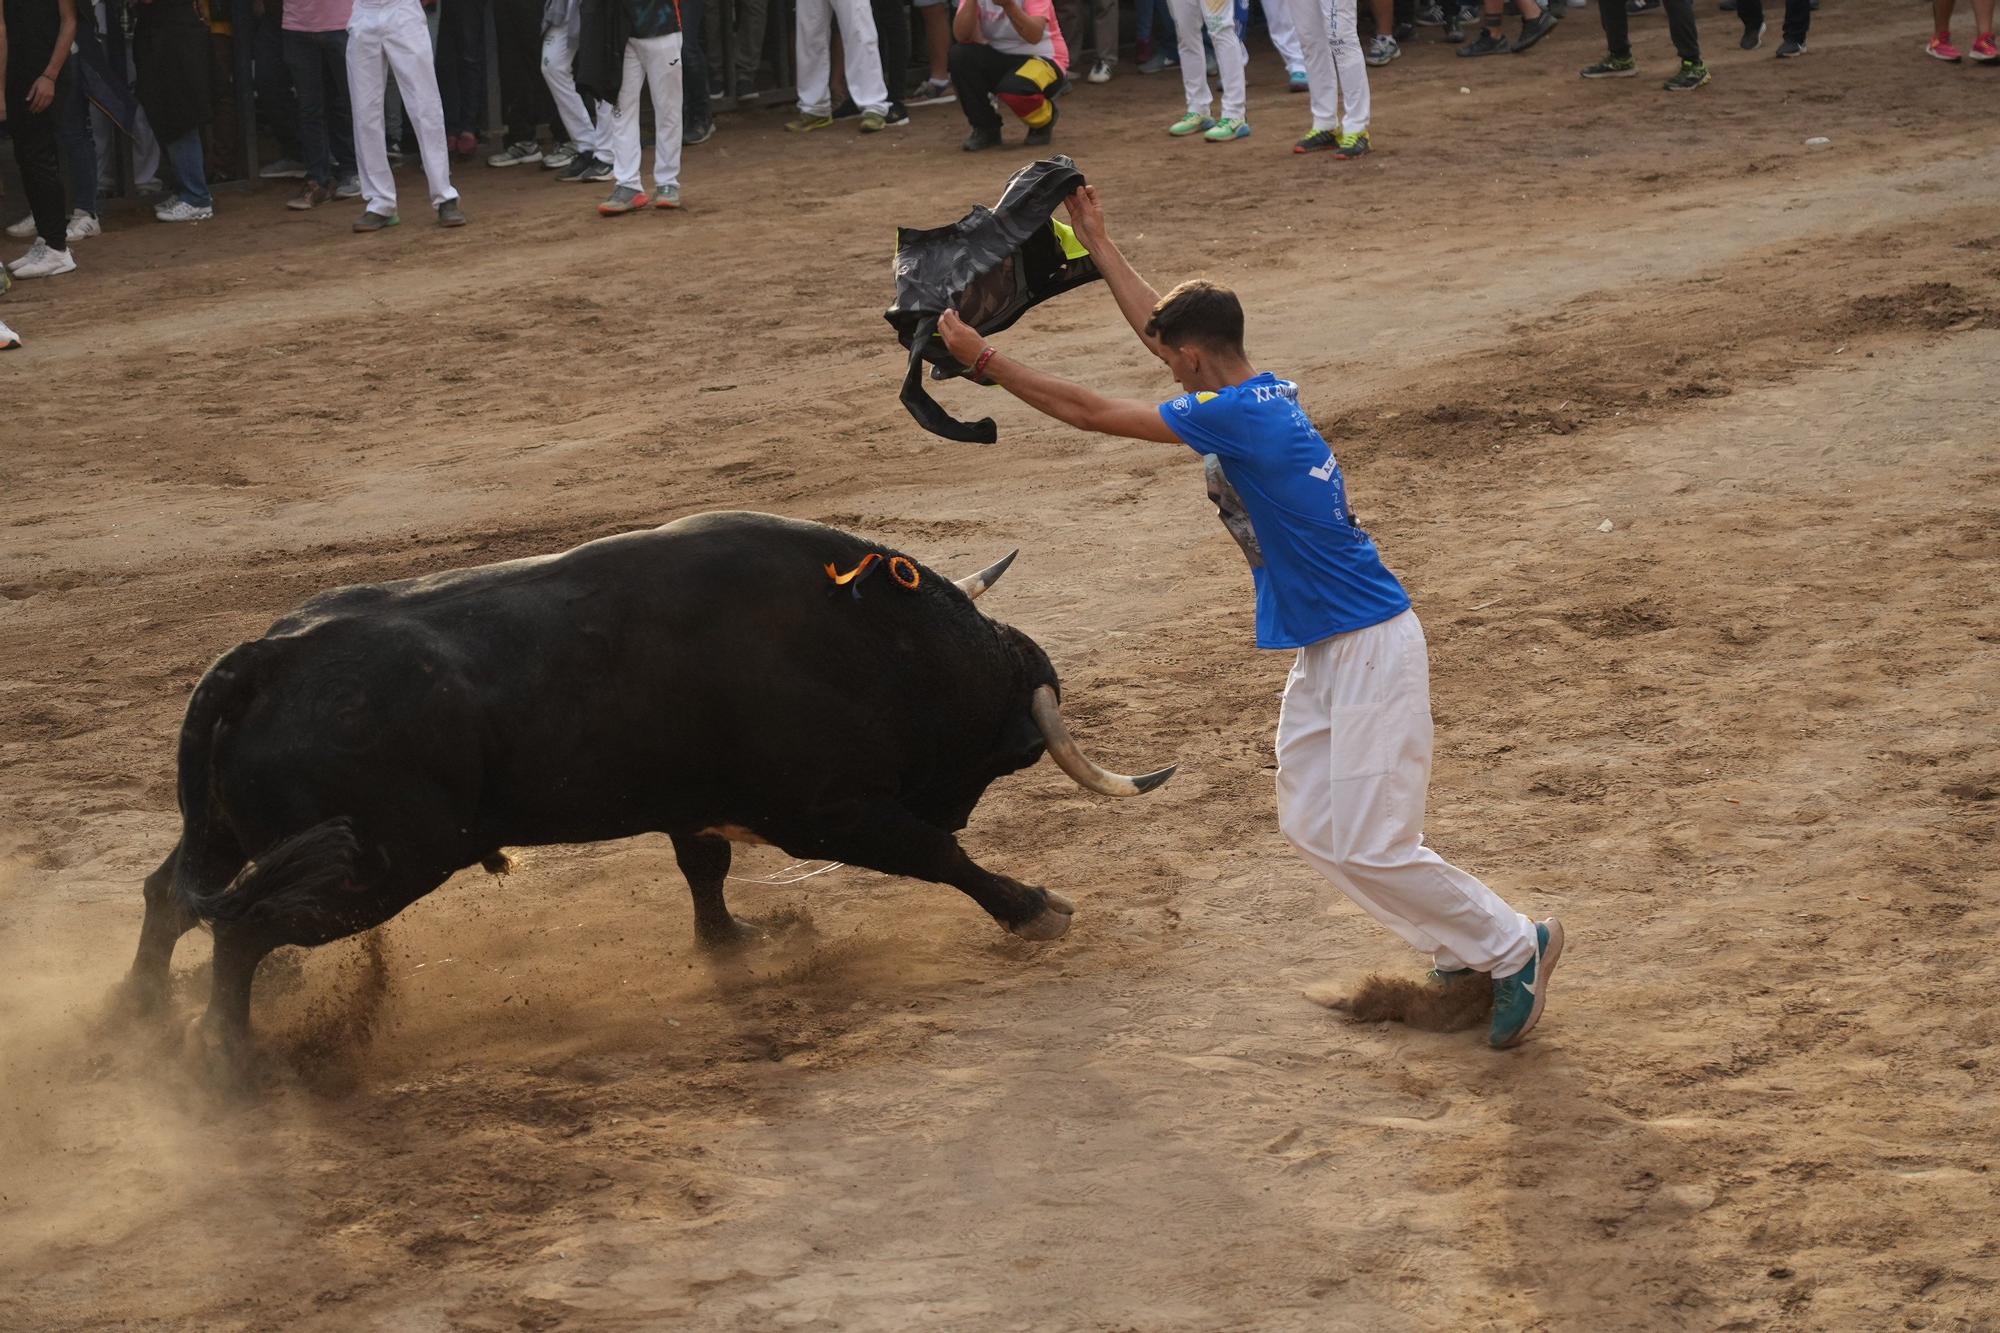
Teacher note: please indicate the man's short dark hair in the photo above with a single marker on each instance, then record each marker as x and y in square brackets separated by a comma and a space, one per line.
[1199, 312]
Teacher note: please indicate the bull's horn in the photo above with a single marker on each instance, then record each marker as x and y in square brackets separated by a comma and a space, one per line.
[974, 584]
[1071, 759]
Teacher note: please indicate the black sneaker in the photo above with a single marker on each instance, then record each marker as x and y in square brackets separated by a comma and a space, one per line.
[1537, 28]
[1487, 43]
[1788, 49]
[1693, 74]
[846, 110]
[897, 115]
[1403, 32]
[450, 215]
[1752, 37]
[1727, 6]
[578, 165]
[1641, 6]
[1612, 67]
[979, 139]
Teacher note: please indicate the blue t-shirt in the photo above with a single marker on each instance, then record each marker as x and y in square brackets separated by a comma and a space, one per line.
[1316, 573]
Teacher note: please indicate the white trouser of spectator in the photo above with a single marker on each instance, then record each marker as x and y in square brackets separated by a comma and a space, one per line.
[1218, 17]
[1336, 72]
[813, 55]
[385, 36]
[1354, 768]
[392, 105]
[559, 72]
[655, 61]
[1284, 33]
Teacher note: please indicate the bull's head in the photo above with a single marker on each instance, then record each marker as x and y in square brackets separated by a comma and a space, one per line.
[1047, 712]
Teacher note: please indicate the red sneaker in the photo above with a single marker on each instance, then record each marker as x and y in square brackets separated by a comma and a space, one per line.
[1942, 49]
[1983, 50]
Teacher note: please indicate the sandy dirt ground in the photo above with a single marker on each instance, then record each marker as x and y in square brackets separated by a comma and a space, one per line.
[1743, 741]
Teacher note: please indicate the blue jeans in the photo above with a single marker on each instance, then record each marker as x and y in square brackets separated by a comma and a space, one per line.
[1155, 11]
[184, 154]
[318, 61]
[695, 112]
[79, 147]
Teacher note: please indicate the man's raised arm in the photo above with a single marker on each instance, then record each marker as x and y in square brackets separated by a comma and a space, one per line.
[1134, 295]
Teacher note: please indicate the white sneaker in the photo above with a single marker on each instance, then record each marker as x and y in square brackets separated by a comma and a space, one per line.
[347, 187]
[83, 226]
[559, 157]
[23, 229]
[1382, 49]
[1100, 72]
[9, 339]
[42, 262]
[284, 169]
[522, 154]
[180, 210]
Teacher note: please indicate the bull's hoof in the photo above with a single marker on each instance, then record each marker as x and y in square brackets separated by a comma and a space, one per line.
[728, 935]
[217, 1058]
[1051, 923]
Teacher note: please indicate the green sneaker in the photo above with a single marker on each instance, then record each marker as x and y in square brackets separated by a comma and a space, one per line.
[873, 122]
[1228, 128]
[803, 123]
[1192, 123]
[1352, 146]
[1517, 1000]
[1612, 67]
[1693, 74]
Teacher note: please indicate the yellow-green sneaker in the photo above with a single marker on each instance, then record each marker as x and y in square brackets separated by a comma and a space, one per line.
[1518, 999]
[1353, 146]
[803, 123]
[1226, 129]
[1192, 123]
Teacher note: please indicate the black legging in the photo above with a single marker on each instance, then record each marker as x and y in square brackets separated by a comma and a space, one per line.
[1680, 25]
[36, 152]
[892, 38]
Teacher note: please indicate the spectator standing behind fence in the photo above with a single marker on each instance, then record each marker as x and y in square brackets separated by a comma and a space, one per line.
[1941, 47]
[170, 48]
[36, 38]
[1618, 62]
[1336, 78]
[1537, 22]
[627, 45]
[936, 89]
[385, 36]
[1010, 50]
[271, 78]
[813, 55]
[588, 127]
[1798, 18]
[524, 97]
[1218, 19]
[460, 68]
[316, 52]
[1103, 51]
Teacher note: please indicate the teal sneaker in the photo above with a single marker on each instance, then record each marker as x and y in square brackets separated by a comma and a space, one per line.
[1192, 123]
[1226, 129]
[1517, 1000]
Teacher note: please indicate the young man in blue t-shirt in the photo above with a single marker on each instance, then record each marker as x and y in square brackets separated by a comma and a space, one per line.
[1354, 733]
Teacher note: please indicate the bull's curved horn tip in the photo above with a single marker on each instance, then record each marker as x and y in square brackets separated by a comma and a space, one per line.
[974, 584]
[1147, 781]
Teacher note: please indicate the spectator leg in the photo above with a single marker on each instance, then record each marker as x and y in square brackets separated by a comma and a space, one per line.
[976, 71]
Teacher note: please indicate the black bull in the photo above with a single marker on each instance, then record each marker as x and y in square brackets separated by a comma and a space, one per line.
[707, 680]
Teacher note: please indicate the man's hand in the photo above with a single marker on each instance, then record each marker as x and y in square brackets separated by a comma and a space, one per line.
[964, 342]
[1086, 215]
[41, 93]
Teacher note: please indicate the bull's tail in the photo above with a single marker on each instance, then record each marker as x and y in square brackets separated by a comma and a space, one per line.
[306, 877]
[210, 878]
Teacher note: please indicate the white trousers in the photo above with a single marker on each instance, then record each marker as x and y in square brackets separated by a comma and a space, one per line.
[1354, 769]
[382, 38]
[812, 37]
[654, 61]
[559, 72]
[1336, 72]
[1218, 17]
[1284, 33]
